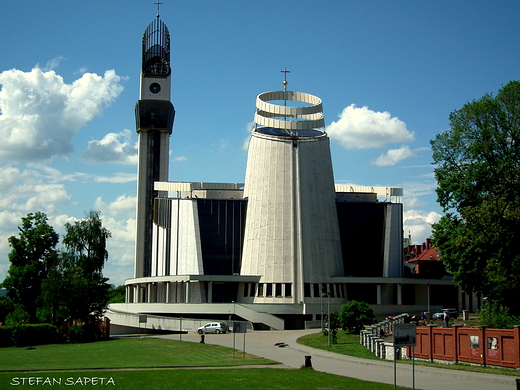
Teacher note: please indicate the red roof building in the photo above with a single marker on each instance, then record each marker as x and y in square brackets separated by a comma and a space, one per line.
[424, 261]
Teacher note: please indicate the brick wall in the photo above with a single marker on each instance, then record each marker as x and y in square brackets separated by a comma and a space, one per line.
[495, 347]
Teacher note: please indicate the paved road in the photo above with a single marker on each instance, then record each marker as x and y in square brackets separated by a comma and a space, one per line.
[262, 343]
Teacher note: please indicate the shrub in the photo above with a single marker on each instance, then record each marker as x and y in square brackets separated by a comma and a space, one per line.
[77, 333]
[28, 334]
[496, 316]
[6, 336]
[355, 315]
[35, 334]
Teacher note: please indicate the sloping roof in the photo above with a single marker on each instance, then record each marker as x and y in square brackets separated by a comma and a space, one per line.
[430, 254]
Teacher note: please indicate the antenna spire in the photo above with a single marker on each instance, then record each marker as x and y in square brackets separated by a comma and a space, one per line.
[285, 71]
[158, 4]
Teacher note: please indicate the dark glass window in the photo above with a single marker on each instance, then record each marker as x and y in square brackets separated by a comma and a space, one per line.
[269, 290]
[278, 289]
[307, 289]
[221, 224]
[316, 288]
[260, 289]
[154, 114]
[288, 289]
[362, 233]
[252, 291]
[246, 289]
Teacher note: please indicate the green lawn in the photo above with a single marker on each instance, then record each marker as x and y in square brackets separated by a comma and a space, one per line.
[123, 352]
[348, 344]
[114, 364]
[187, 379]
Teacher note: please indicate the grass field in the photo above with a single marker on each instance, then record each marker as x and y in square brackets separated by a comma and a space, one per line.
[123, 353]
[187, 379]
[348, 344]
[141, 364]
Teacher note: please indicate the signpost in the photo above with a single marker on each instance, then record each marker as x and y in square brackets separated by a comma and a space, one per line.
[239, 327]
[404, 336]
[143, 318]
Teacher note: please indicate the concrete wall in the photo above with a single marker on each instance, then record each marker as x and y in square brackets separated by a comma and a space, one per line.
[291, 233]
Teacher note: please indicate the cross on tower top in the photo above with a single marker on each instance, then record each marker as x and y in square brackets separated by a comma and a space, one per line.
[285, 71]
[158, 4]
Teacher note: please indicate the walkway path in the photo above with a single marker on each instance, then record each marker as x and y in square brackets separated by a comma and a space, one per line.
[262, 343]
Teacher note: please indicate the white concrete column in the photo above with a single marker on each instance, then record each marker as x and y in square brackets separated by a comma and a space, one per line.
[149, 293]
[379, 294]
[167, 298]
[188, 288]
[136, 293]
[399, 294]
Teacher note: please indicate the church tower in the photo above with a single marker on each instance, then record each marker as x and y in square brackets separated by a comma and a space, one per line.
[291, 234]
[154, 114]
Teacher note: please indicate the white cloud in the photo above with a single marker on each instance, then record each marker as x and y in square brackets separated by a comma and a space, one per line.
[123, 206]
[249, 129]
[419, 188]
[53, 63]
[393, 156]
[221, 145]
[39, 112]
[81, 70]
[361, 128]
[30, 190]
[180, 158]
[25, 190]
[119, 218]
[117, 178]
[37, 187]
[113, 148]
[418, 223]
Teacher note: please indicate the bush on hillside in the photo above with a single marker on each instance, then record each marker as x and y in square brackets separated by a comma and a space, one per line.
[355, 315]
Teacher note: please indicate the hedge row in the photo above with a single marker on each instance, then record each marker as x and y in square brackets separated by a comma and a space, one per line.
[28, 335]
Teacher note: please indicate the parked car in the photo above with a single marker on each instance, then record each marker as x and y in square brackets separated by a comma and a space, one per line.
[453, 313]
[213, 327]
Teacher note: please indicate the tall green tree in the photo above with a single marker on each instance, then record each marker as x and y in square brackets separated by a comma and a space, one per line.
[478, 170]
[32, 255]
[82, 266]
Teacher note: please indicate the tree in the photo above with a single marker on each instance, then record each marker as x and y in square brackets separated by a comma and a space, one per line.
[6, 307]
[354, 315]
[116, 294]
[82, 266]
[32, 255]
[332, 322]
[478, 170]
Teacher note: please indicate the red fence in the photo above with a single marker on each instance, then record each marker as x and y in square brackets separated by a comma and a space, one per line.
[495, 347]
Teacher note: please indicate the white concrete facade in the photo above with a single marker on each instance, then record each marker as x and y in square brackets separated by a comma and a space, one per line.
[291, 234]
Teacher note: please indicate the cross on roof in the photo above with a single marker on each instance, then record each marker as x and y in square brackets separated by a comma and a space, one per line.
[285, 71]
[158, 4]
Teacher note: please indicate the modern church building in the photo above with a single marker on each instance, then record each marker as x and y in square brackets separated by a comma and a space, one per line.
[274, 249]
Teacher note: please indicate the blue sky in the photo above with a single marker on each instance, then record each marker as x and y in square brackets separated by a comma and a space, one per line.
[389, 74]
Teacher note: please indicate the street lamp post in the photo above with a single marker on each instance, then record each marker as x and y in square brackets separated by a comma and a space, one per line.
[321, 305]
[328, 317]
